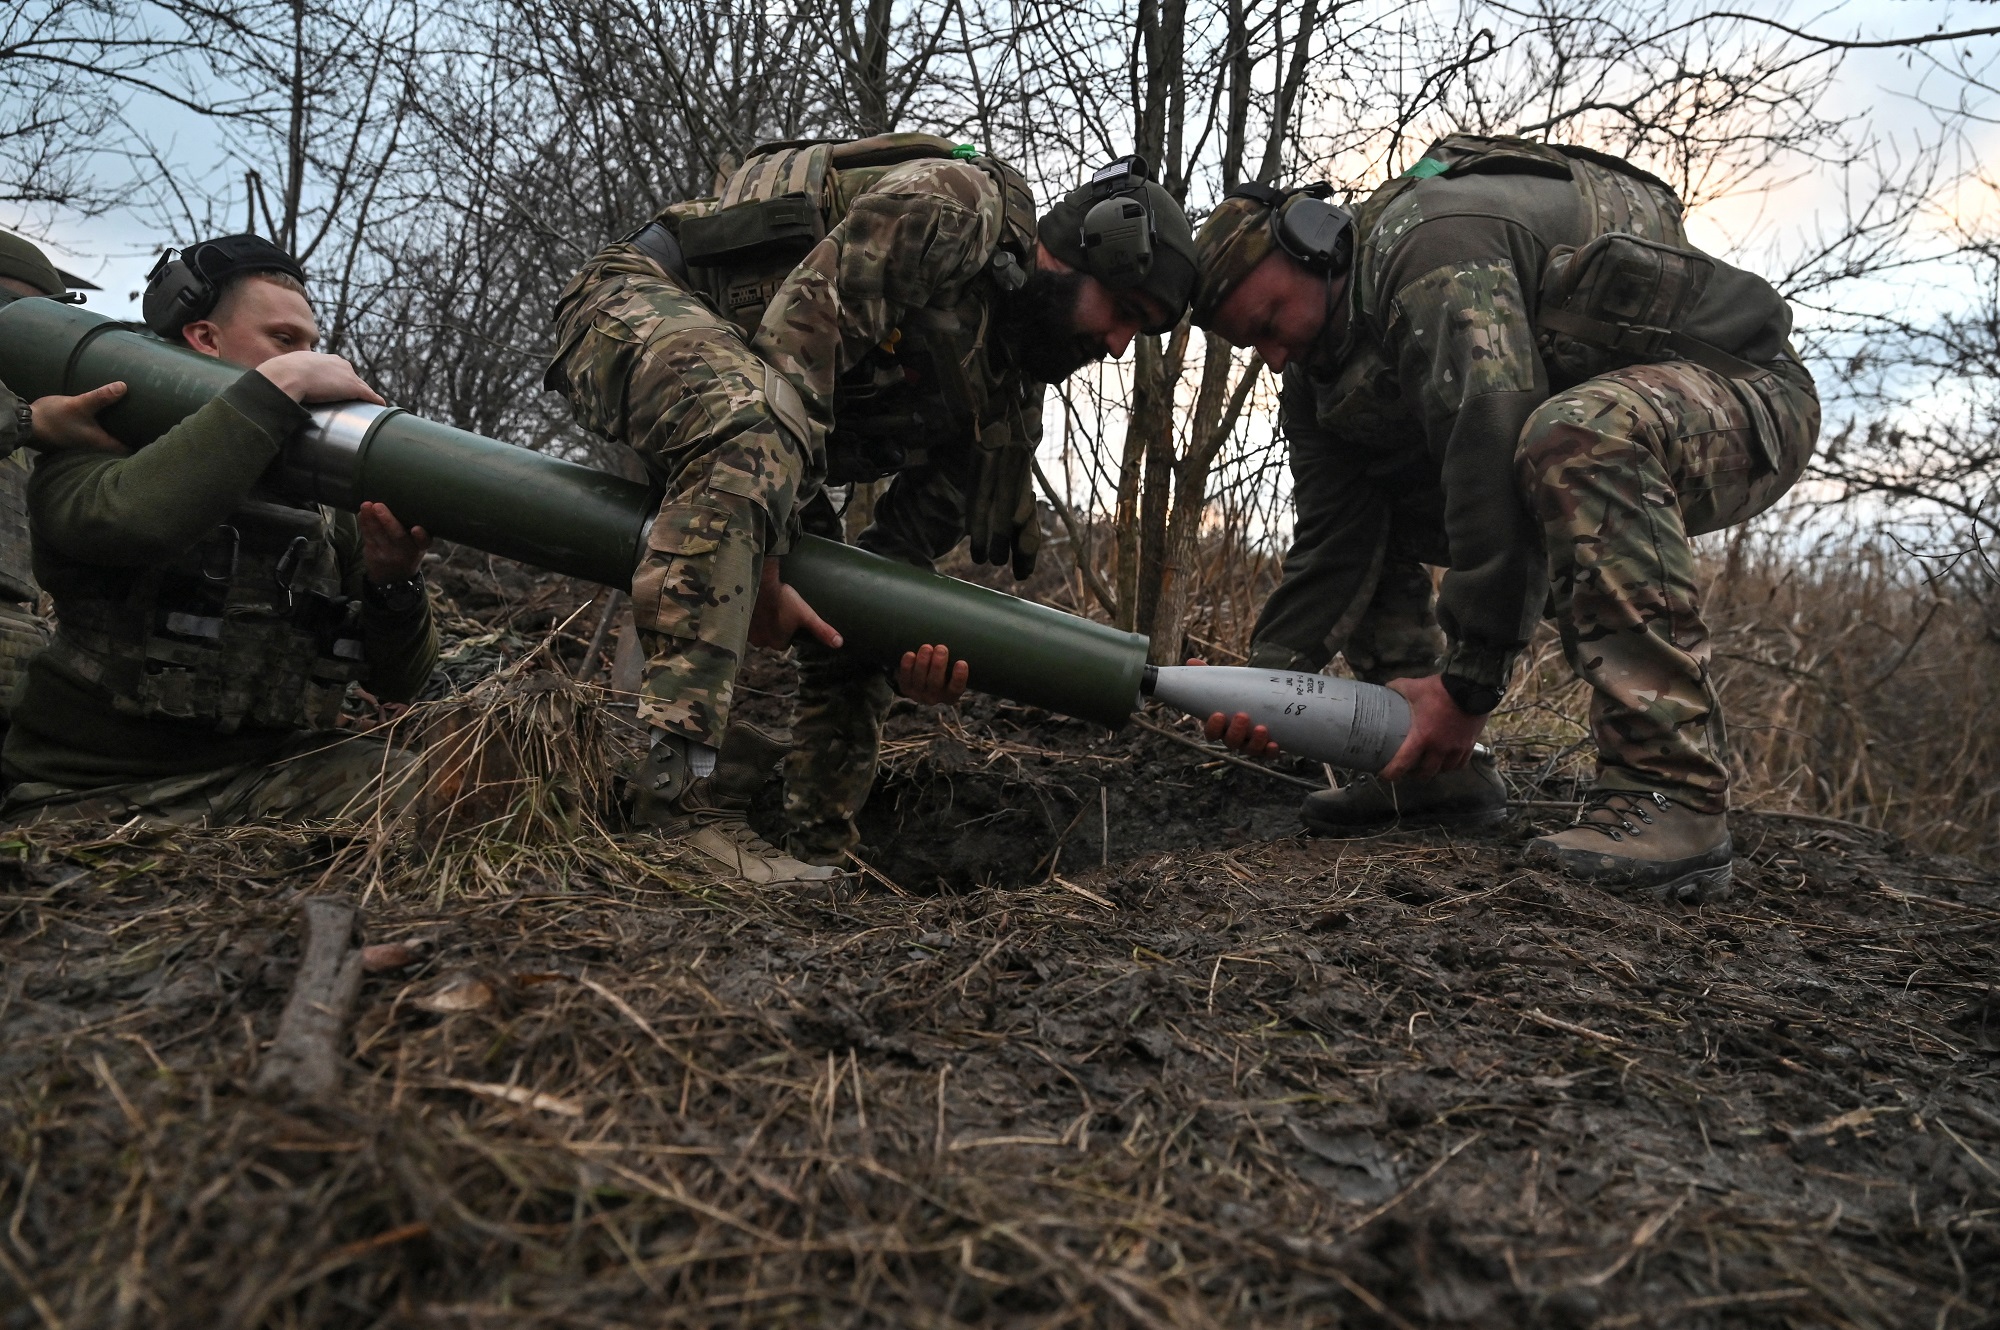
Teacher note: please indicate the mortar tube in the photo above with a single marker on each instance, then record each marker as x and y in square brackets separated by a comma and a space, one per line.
[572, 519]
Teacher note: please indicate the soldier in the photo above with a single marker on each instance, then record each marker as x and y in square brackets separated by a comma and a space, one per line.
[25, 273]
[1508, 364]
[841, 312]
[206, 634]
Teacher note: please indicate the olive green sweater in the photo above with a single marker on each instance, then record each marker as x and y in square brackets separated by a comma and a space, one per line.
[100, 521]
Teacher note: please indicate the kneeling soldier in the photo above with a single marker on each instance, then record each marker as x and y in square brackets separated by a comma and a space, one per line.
[25, 274]
[207, 635]
[1508, 363]
[842, 312]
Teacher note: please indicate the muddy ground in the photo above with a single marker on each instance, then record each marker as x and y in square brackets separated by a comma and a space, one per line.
[1198, 1072]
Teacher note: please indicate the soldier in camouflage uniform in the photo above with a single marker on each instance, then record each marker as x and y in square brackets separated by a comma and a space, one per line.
[25, 273]
[838, 313]
[1509, 365]
[206, 634]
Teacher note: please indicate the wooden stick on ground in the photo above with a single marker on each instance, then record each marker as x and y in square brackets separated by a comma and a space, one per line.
[304, 1061]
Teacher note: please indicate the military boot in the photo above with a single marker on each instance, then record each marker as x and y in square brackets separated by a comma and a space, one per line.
[748, 757]
[679, 794]
[1474, 796]
[1641, 840]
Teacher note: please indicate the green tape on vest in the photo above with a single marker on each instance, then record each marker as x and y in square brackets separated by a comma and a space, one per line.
[1426, 167]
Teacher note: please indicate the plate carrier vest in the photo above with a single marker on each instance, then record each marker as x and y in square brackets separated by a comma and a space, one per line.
[938, 378]
[249, 630]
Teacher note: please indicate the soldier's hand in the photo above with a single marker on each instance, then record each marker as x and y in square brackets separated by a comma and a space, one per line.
[389, 551]
[1236, 731]
[781, 611]
[1441, 736]
[928, 675]
[71, 422]
[311, 376]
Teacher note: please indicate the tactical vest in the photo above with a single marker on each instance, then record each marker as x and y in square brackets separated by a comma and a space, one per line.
[937, 380]
[251, 629]
[1632, 290]
[1615, 195]
[17, 577]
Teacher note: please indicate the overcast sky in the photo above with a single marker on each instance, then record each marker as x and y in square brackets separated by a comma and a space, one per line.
[117, 249]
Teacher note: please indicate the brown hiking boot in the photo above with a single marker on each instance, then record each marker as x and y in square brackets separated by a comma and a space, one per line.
[1640, 840]
[1473, 796]
[728, 840]
[708, 811]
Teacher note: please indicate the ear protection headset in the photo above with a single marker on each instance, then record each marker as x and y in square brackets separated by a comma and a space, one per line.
[1118, 231]
[1317, 233]
[186, 284]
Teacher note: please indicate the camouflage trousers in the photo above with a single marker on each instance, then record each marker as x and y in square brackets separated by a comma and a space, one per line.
[311, 778]
[1620, 472]
[842, 701]
[643, 360]
[23, 633]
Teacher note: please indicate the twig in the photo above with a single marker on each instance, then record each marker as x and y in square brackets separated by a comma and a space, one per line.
[1421, 1179]
[304, 1060]
[1212, 751]
[587, 671]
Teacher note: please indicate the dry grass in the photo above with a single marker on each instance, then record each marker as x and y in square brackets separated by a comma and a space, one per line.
[1385, 1084]
[1857, 684]
[1854, 688]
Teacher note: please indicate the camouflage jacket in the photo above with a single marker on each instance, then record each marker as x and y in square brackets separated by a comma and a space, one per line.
[909, 250]
[10, 423]
[17, 577]
[198, 626]
[1435, 368]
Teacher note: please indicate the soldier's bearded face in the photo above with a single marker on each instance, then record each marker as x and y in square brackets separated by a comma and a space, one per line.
[1280, 309]
[1039, 325]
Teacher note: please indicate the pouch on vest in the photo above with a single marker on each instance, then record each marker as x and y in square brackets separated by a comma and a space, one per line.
[1625, 300]
[783, 229]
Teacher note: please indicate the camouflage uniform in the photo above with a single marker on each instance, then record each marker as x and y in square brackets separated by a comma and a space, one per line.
[22, 631]
[204, 634]
[742, 420]
[309, 778]
[1439, 427]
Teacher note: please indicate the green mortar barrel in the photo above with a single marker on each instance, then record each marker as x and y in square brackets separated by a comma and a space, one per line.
[572, 519]
[1017, 649]
[457, 485]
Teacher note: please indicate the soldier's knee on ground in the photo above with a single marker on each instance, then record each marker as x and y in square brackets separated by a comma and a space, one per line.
[354, 778]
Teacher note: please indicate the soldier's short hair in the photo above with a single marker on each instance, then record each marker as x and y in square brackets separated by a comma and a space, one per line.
[225, 301]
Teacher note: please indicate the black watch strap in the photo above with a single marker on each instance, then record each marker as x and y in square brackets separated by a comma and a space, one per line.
[401, 596]
[1474, 699]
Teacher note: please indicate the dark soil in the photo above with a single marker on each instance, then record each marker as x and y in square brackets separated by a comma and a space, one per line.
[1097, 1039]
[1232, 1077]
[1000, 795]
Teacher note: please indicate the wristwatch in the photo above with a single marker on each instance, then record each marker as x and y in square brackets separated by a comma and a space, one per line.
[400, 596]
[24, 416]
[1474, 699]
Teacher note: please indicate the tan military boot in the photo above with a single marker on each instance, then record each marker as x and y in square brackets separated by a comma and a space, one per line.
[708, 811]
[1474, 796]
[1632, 840]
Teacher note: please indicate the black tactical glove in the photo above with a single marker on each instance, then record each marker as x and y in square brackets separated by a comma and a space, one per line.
[1001, 516]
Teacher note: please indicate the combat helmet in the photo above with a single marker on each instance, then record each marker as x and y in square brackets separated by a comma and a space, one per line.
[1254, 221]
[23, 260]
[1129, 233]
